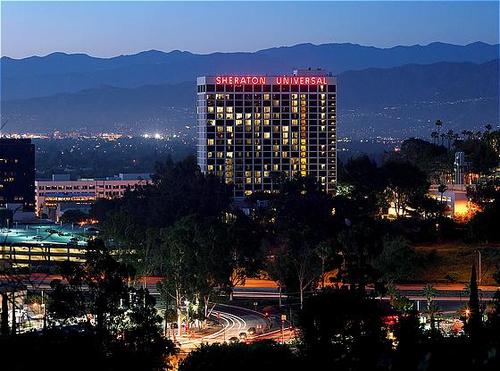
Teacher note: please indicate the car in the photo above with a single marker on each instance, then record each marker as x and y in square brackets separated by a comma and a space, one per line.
[243, 335]
[251, 331]
[233, 339]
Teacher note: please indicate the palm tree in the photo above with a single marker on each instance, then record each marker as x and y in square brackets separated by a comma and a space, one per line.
[430, 293]
[467, 134]
[434, 136]
[474, 321]
[442, 189]
[450, 135]
[438, 124]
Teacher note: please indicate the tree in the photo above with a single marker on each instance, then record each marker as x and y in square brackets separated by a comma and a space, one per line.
[410, 336]
[140, 345]
[435, 136]
[361, 243]
[366, 185]
[481, 151]
[173, 265]
[95, 287]
[439, 125]
[430, 293]
[6, 217]
[210, 266]
[450, 135]
[442, 189]
[302, 220]
[433, 159]
[121, 321]
[263, 355]
[341, 329]
[405, 182]
[484, 225]
[474, 322]
[74, 216]
[244, 256]
[4, 328]
[179, 189]
[398, 260]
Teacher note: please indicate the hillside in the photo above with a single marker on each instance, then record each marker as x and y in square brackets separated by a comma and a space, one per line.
[402, 101]
[66, 73]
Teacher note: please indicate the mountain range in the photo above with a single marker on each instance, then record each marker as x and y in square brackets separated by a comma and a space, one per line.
[400, 89]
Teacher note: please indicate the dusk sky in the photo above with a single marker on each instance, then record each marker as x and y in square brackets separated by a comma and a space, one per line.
[113, 28]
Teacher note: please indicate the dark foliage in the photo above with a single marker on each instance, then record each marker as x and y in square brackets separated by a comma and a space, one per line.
[343, 330]
[264, 355]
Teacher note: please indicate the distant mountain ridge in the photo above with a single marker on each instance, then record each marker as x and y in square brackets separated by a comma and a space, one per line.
[403, 100]
[69, 73]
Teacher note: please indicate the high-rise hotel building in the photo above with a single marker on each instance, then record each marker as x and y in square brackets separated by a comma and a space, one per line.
[253, 130]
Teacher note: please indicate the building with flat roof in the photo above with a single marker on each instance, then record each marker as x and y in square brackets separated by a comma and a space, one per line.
[55, 196]
[33, 244]
[254, 130]
[17, 173]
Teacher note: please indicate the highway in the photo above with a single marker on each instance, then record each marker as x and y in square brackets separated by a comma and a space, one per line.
[234, 320]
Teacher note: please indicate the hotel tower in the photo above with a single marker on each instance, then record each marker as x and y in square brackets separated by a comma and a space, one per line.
[255, 130]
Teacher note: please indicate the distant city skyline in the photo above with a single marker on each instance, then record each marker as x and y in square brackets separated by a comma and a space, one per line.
[106, 29]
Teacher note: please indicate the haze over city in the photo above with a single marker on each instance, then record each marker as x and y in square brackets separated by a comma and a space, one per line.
[251, 186]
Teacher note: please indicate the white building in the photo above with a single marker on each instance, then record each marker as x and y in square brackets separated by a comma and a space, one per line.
[53, 197]
[253, 129]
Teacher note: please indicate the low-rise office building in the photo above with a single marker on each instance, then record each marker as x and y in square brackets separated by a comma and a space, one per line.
[60, 194]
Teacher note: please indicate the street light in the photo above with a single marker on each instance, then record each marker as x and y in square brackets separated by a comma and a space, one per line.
[186, 302]
[283, 319]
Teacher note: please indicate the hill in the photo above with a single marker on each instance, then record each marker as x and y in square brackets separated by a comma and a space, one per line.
[70, 73]
[400, 101]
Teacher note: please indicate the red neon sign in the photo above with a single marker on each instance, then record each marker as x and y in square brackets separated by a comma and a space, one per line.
[240, 80]
[261, 80]
[301, 80]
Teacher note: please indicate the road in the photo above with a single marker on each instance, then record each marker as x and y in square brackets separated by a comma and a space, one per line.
[235, 320]
[450, 298]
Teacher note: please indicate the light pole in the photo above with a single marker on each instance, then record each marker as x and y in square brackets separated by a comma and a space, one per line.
[283, 319]
[186, 302]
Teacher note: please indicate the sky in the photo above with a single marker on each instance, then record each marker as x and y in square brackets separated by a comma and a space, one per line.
[113, 28]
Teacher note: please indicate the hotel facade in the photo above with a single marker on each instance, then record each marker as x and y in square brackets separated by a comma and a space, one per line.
[255, 130]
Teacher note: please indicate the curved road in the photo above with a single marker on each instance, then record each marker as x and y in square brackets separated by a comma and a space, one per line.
[235, 320]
